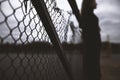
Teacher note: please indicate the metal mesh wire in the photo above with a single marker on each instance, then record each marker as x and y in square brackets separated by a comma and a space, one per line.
[20, 27]
[16, 26]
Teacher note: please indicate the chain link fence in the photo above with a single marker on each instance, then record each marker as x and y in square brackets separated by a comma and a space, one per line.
[24, 40]
[16, 26]
[19, 24]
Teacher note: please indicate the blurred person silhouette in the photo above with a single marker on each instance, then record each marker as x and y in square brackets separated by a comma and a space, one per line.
[91, 41]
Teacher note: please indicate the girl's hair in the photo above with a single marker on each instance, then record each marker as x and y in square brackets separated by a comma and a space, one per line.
[88, 6]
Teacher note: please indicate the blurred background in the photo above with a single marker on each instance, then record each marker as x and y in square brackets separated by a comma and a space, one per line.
[21, 26]
[109, 17]
[109, 21]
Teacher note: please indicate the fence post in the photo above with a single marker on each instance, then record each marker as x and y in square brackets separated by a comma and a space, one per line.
[49, 27]
[75, 11]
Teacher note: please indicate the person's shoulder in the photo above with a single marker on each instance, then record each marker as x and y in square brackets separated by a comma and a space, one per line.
[94, 16]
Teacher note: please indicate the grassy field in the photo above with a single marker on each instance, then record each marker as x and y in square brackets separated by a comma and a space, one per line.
[110, 66]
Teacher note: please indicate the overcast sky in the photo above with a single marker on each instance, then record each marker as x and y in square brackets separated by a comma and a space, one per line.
[108, 12]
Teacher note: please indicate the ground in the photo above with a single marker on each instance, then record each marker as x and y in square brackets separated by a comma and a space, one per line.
[110, 67]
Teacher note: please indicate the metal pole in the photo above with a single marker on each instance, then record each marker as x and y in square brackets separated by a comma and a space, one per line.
[75, 11]
[49, 27]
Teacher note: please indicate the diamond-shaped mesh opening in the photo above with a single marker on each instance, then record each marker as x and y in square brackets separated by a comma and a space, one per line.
[6, 8]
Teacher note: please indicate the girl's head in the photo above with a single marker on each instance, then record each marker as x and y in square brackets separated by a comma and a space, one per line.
[93, 4]
[88, 6]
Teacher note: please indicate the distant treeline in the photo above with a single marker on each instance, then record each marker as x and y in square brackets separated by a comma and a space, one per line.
[36, 47]
[46, 46]
[115, 47]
